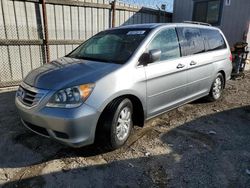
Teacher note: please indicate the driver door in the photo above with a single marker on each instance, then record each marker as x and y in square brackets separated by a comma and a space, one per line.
[167, 77]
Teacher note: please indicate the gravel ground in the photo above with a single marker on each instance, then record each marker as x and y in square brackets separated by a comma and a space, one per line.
[197, 145]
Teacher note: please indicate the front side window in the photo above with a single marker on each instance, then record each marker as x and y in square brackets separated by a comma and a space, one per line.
[191, 41]
[207, 11]
[167, 42]
[112, 46]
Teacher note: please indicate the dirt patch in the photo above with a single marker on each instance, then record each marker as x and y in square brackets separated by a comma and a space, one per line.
[197, 145]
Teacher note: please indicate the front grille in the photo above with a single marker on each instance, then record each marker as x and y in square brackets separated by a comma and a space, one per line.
[29, 97]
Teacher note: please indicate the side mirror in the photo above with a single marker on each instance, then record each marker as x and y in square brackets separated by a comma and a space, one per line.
[150, 57]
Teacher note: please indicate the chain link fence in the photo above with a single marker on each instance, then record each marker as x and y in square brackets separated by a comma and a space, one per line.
[21, 51]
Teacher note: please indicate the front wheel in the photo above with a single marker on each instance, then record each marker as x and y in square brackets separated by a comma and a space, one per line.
[118, 123]
[216, 88]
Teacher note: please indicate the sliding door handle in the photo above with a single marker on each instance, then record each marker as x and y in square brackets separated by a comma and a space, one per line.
[180, 66]
[193, 63]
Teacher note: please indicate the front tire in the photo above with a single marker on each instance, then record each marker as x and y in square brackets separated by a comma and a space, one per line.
[118, 122]
[216, 88]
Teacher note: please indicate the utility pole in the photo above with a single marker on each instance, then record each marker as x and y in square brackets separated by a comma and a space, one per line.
[159, 14]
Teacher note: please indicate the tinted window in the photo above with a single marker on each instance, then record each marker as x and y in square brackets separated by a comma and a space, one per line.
[213, 39]
[191, 41]
[207, 11]
[213, 12]
[200, 10]
[167, 42]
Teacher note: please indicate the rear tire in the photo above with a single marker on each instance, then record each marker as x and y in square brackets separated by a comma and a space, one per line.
[216, 88]
[118, 122]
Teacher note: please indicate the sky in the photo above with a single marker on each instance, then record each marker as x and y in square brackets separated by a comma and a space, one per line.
[151, 3]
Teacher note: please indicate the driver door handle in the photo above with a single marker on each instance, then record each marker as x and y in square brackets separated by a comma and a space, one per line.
[193, 63]
[180, 66]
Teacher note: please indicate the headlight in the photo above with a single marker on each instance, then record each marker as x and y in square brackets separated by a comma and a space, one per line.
[71, 97]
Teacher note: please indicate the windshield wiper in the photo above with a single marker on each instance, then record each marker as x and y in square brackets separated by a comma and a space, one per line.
[93, 59]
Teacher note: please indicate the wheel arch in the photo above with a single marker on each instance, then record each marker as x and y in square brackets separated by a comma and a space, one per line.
[138, 111]
[224, 77]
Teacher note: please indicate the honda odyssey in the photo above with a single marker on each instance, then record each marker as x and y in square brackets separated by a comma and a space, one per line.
[121, 77]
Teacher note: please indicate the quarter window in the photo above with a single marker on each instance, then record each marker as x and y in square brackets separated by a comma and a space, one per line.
[191, 41]
[213, 39]
[167, 42]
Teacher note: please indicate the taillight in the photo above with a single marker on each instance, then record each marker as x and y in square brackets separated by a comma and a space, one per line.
[231, 57]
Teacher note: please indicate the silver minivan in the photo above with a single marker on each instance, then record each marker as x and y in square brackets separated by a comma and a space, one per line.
[121, 77]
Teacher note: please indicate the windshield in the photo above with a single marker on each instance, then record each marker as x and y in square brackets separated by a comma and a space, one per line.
[113, 46]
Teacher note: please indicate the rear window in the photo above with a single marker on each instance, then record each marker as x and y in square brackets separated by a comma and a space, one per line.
[191, 41]
[213, 39]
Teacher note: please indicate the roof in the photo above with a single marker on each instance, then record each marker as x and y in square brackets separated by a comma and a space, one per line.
[155, 25]
[143, 26]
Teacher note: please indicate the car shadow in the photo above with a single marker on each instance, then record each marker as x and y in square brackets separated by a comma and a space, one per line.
[210, 151]
[24, 148]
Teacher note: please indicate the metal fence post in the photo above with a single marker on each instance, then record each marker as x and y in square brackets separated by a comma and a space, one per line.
[113, 7]
[46, 34]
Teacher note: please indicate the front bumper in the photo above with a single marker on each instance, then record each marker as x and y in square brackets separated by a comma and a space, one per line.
[74, 127]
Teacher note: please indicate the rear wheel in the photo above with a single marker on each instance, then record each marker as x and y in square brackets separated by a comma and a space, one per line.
[216, 88]
[118, 122]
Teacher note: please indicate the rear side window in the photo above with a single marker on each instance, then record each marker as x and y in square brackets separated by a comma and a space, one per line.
[167, 42]
[213, 40]
[191, 41]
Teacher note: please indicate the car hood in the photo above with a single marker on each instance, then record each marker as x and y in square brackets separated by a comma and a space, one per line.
[66, 72]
